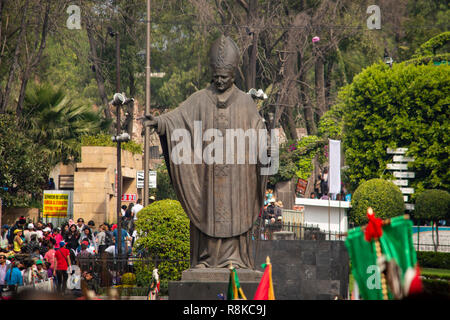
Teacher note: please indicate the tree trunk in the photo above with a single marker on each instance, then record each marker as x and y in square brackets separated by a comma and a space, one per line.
[308, 112]
[320, 86]
[98, 75]
[23, 87]
[251, 56]
[437, 236]
[432, 236]
[14, 64]
[32, 62]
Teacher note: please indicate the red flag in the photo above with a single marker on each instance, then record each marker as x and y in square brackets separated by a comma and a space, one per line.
[265, 287]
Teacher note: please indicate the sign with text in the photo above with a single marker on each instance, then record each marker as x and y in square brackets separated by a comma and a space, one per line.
[406, 174]
[397, 166]
[403, 159]
[301, 186]
[57, 203]
[129, 197]
[140, 179]
[402, 183]
[397, 151]
[407, 190]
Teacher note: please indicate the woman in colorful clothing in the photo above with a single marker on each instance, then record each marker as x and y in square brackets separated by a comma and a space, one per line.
[18, 241]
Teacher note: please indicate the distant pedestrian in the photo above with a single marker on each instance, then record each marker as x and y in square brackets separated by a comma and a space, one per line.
[89, 237]
[101, 239]
[18, 241]
[80, 225]
[58, 237]
[13, 277]
[136, 208]
[4, 237]
[51, 259]
[51, 184]
[63, 263]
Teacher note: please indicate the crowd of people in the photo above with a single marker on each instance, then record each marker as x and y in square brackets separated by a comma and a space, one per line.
[33, 253]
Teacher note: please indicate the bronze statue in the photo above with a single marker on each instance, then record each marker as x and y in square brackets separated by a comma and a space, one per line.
[221, 199]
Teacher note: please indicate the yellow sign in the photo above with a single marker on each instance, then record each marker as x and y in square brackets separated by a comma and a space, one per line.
[55, 205]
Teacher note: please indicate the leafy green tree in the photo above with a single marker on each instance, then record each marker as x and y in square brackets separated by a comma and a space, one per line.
[433, 205]
[164, 188]
[383, 196]
[23, 169]
[402, 106]
[55, 124]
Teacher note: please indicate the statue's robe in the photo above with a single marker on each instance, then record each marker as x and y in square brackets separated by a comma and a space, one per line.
[221, 200]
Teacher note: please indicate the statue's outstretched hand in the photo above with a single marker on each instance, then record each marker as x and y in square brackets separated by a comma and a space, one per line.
[150, 121]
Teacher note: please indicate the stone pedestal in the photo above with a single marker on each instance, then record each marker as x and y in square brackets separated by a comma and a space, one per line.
[301, 270]
[208, 283]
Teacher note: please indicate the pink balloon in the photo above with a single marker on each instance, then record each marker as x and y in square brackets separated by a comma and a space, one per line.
[315, 39]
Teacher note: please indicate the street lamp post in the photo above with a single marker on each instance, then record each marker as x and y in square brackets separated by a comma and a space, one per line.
[118, 101]
[147, 108]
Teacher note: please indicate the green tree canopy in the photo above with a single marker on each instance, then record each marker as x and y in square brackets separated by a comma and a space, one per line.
[432, 205]
[23, 169]
[56, 124]
[402, 106]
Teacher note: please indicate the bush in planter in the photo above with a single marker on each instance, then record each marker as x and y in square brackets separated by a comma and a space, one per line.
[163, 232]
[383, 196]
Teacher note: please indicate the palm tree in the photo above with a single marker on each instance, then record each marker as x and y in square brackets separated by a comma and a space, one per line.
[56, 124]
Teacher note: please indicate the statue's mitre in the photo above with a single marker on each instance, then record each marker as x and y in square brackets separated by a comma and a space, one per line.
[224, 54]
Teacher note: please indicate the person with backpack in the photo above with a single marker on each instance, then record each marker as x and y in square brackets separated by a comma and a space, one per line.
[101, 239]
[62, 256]
[108, 236]
[13, 277]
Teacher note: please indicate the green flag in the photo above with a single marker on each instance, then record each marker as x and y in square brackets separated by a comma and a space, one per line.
[234, 287]
[397, 250]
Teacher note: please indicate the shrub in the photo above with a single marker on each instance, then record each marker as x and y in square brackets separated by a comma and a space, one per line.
[429, 259]
[436, 288]
[129, 279]
[163, 232]
[432, 205]
[104, 140]
[383, 196]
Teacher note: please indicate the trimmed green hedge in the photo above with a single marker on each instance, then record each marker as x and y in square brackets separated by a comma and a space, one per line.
[429, 259]
[163, 232]
[429, 273]
[383, 196]
[436, 287]
[104, 140]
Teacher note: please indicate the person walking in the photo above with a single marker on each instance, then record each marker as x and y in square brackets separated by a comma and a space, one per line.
[63, 263]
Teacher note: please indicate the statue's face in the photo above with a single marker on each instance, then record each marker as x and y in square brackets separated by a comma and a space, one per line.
[223, 79]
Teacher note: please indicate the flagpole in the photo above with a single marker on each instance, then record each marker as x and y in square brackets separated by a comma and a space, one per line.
[378, 253]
